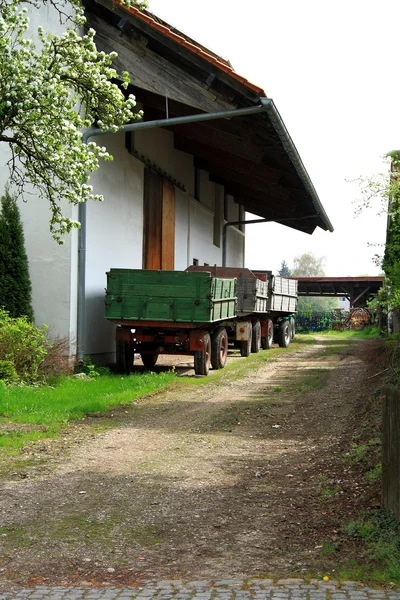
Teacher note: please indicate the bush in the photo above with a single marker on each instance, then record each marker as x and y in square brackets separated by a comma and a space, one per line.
[57, 361]
[22, 344]
[8, 374]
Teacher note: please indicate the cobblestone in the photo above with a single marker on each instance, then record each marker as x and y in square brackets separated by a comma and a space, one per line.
[223, 589]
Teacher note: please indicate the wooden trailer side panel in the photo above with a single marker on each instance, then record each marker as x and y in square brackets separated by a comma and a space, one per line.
[252, 295]
[141, 295]
[284, 295]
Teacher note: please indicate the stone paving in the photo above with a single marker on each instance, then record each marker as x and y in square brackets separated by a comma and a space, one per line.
[223, 589]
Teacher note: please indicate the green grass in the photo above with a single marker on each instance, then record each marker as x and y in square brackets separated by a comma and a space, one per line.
[368, 333]
[378, 532]
[47, 409]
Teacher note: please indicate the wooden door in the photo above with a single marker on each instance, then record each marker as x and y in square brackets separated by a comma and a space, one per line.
[159, 223]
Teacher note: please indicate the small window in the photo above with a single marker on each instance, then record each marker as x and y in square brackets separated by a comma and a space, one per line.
[195, 262]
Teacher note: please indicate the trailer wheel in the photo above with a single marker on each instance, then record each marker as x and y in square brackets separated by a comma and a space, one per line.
[245, 346]
[202, 358]
[292, 328]
[124, 357]
[256, 337]
[219, 348]
[284, 334]
[149, 360]
[268, 340]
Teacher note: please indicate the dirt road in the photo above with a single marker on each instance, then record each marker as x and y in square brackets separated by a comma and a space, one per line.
[243, 477]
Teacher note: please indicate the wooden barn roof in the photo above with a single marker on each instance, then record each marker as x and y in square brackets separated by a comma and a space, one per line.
[253, 157]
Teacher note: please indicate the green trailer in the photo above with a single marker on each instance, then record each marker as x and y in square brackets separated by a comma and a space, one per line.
[170, 312]
[197, 312]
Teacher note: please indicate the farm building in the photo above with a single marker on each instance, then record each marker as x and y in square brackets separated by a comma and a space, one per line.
[177, 192]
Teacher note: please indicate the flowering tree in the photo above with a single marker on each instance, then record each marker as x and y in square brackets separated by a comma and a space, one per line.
[382, 192]
[50, 90]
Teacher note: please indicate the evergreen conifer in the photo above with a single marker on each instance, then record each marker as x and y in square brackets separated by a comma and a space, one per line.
[15, 283]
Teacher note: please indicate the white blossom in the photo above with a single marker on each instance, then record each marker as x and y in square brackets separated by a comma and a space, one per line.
[50, 92]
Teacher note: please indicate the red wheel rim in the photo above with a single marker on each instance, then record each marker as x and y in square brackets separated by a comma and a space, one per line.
[223, 351]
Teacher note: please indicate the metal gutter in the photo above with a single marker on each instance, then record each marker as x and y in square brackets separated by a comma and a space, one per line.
[89, 133]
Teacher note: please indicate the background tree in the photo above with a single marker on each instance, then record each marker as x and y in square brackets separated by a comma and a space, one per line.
[284, 270]
[308, 265]
[50, 91]
[382, 191]
[15, 283]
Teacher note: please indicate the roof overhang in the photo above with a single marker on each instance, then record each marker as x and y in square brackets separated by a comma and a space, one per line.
[357, 289]
[252, 156]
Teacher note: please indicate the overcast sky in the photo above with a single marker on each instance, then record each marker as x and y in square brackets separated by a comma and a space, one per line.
[330, 68]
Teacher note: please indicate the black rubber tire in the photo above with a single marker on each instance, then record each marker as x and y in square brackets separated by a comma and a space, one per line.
[284, 334]
[268, 340]
[124, 357]
[256, 337]
[219, 348]
[245, 346]
[202, 358]
[292, 328]
[149, 360]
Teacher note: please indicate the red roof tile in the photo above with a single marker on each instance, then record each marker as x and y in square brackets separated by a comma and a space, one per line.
[180, 39]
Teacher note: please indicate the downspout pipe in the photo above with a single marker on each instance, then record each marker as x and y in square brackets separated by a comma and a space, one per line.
[89, 133]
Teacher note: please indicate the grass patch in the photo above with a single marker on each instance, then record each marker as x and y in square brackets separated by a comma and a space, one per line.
[327, 489]
[368, 333]
[378, 533]
[47, 409]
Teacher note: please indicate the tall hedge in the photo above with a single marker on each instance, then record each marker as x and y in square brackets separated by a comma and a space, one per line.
[15, 283]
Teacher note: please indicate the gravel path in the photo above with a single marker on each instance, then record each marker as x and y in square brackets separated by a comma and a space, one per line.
[195, 484]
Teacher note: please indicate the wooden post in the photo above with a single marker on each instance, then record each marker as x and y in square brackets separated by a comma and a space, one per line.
[391, 449]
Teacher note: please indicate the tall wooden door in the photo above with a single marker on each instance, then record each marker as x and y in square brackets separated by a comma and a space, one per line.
[159, 223]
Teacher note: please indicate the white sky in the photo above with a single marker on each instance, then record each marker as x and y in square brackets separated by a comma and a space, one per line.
[330, 68]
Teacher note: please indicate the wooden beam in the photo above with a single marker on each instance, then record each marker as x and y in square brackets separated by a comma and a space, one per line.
[151, 71]
[168, 227]
[254, 184]
[215, 157]
[219, 140]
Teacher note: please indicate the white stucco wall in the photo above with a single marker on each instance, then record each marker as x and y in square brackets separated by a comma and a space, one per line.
[52, 274]
[114, 237]
[182, 229]
[115, 226]
[158, 145]
[194, 218]
[235, 248]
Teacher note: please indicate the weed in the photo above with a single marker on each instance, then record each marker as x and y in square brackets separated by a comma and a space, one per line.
[327, 488]
[367, 454]
[379, 532]
[329, 548]
[374, 473]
